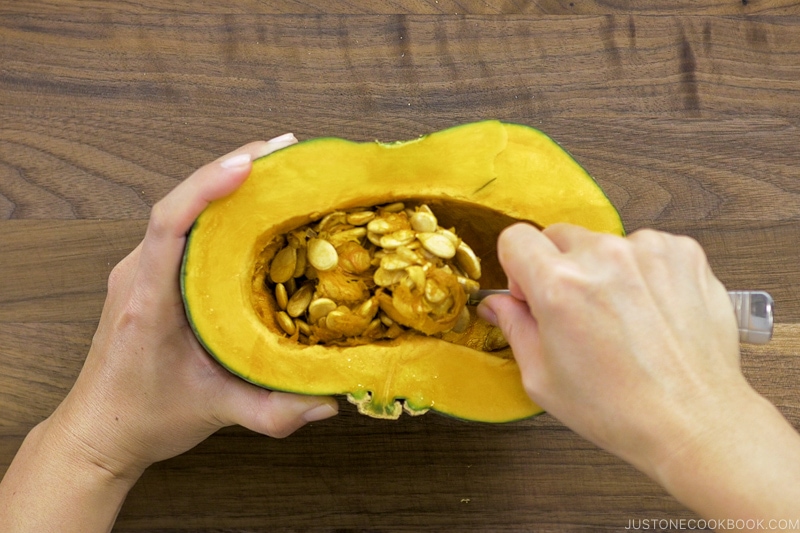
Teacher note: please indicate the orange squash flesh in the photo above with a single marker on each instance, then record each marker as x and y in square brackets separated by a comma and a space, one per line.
[477, 177]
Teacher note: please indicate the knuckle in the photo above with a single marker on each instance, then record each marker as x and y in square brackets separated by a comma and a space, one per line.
[653, 244]
[669, 247]
[116, 276]
[122, 273]
[648, 238]
[275, 428]
[690, 246]
[561, 283]
[660, 242]
[694, 253]
[159, 220]
[615, 248]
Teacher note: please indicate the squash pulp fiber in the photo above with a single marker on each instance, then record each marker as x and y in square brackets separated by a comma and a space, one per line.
[478, 178]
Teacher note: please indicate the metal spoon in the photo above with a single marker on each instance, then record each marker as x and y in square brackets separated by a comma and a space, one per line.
[753, 312]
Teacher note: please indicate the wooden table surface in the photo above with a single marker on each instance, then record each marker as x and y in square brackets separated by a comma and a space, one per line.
[687, 115]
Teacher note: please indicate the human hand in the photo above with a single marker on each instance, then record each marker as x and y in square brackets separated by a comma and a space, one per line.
[631, 342]
[148, 391]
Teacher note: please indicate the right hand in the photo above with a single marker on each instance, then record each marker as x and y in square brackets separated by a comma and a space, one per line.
[631, 342]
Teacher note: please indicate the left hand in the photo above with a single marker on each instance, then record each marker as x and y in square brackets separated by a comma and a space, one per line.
[148, 390]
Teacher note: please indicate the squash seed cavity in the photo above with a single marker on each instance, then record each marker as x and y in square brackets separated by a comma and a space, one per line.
[371, 274]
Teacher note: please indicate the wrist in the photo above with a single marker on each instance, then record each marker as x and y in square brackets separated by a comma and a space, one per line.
[71, 447]
[732, 453]
[54, 479]
[705, 423]
[87, 444]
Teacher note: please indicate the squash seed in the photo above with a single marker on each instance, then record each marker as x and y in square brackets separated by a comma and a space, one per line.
[322, 255]
[417, 276]
[300, 266]
[346, 260]
[352, 234]
[443, 307]
[394, 262]
[394, 331]
[302, 327]
[330, 220]
[470, 285]
[385, 320]
[396, 207]
[344, 321]
[319, 308]
[452, 237]
[297, 238]
[387, 278]
[379, 226]
[389, 223]
[368, 308]
[282, 266]
[286, 323]
[433, 292]
[495, 340]
[281, 297]
[374, 329]
[437, 244]
[360, 218]
[468, 261]
[397, 238]
[463, 321]
[299, 301]
[424, 221]
[409, 255]
[291, 286]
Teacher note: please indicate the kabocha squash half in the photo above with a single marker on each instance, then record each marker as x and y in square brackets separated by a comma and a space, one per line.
[343, 268]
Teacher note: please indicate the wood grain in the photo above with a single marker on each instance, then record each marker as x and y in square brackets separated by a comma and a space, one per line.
[687, 114]
[416, 7]
[38, 365]
[701, 108]
[354, 472]
[420, 474]
[57, 272]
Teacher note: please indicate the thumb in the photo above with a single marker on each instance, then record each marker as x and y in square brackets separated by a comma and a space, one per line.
[273, 413]
[519, 327]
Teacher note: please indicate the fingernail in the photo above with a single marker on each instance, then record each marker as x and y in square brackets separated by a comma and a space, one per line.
[487, 313]
[236, 161]
[286, 137]
[320, 412]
